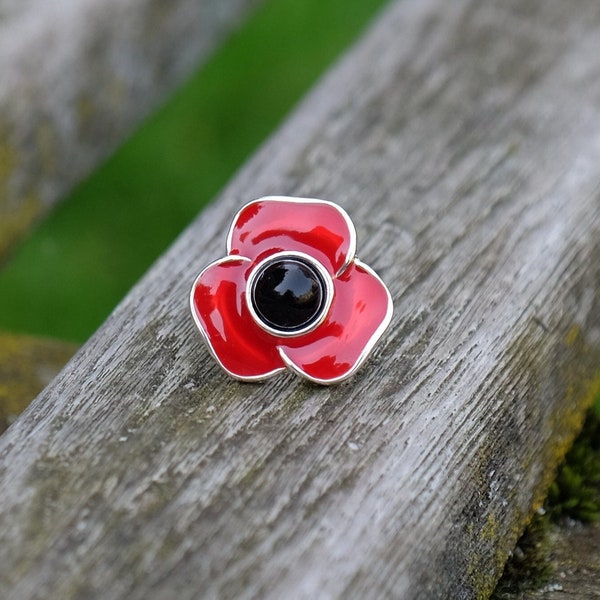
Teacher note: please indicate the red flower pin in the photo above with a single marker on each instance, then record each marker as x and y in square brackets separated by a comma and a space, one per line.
[290, 293]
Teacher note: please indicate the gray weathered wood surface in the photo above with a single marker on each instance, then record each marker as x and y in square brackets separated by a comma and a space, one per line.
[77, 76]
[464, 140]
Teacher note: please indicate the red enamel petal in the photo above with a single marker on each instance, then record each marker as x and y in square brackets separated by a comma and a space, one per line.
[317, 228]
[360, 312]
[220, 310]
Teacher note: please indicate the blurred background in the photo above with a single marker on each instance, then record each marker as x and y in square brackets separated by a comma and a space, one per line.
[76, 265]
[60, 283]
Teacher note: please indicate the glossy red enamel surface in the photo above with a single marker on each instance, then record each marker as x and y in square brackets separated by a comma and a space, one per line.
[316, 228]
[359, 307]
[359, 312]
[239, 344]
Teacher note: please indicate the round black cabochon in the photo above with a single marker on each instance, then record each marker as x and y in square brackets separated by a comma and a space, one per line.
[288, 294]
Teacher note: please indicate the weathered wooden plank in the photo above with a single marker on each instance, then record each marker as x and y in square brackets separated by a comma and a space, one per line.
[463, 138]
[76, 78]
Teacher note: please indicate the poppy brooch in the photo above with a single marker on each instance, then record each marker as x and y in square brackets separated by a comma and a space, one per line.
[290, 294]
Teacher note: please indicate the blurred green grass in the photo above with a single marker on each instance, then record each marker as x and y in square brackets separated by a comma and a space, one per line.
[68, 276]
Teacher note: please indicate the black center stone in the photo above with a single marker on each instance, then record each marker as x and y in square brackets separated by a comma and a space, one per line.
[288, 294]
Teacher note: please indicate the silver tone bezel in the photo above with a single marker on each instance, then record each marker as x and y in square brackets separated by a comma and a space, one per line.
[328, 292]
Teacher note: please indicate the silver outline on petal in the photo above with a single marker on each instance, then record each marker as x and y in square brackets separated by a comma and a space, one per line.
[350, 258]
[204, 333]
[291, 200]
[366, 350]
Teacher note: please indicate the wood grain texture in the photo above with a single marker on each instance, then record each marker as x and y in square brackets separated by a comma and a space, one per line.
[77, 77]
[464, 140]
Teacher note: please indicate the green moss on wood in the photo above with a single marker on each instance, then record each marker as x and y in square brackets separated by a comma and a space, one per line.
[14, 224]
[577, 382]
[575, 494]
[20, 205]
[8, 160]
[27, 365]
[528, 567]
[14, 221]
[576, 491]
